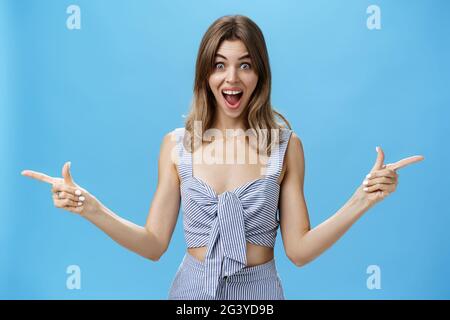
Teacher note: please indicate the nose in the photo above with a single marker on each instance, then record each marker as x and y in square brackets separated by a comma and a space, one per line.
[232, 75]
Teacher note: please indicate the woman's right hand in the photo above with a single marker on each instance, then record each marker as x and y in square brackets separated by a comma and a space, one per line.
[67, 194]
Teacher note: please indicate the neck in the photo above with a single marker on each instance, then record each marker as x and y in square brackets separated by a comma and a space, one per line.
[223, 122]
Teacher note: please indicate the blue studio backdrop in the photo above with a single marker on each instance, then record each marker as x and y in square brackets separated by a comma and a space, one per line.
[102, 89]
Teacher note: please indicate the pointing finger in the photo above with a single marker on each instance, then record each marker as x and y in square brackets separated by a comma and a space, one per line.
[38, 176]
[405, 162]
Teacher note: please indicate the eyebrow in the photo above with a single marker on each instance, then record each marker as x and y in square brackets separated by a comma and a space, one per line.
[246, 55]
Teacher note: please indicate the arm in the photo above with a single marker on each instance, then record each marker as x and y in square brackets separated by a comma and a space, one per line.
[303, 244]
[152, 240]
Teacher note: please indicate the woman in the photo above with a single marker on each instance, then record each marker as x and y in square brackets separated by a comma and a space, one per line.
[230, 207]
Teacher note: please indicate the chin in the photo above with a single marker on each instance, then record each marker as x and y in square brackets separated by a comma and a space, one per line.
[233, 113]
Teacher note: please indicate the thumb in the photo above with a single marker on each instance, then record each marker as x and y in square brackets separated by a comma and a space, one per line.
[380, 159]
[66, 174]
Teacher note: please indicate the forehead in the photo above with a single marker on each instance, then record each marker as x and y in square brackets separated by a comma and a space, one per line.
[232, 49]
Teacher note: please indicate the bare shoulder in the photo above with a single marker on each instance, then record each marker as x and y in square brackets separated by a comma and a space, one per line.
[169, 139]
[168, 159]
[167, 150]
[295, 146]
[295, 158]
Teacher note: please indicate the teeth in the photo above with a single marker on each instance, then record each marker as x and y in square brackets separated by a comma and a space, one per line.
[231, 92]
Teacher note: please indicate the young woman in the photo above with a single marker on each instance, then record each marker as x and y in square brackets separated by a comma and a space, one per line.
[230, 200]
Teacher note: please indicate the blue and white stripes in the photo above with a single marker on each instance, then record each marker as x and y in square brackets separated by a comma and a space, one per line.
[259, 282]
[225, 222]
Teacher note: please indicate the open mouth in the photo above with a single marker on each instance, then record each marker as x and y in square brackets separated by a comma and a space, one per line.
[232, 97]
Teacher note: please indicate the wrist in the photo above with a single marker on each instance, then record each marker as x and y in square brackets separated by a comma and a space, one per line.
[360, 201]
[96, 212]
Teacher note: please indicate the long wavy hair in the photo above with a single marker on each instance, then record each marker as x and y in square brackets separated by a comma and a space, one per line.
[260, 116]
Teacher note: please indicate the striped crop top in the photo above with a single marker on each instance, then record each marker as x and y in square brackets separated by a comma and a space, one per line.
[225, 222]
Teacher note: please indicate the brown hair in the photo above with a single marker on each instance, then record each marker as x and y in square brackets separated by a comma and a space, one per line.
[260, 115]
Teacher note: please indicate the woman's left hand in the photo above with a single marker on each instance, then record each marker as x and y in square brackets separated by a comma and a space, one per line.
[382, 179]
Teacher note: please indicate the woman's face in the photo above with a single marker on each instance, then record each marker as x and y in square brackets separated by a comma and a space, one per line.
[233, 79]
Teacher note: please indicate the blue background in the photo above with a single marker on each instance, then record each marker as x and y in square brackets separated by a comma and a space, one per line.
[104, 96]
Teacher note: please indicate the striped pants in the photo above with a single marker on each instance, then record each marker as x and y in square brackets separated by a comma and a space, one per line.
[259, 282]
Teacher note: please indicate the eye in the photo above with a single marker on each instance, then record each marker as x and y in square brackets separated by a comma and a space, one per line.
[246, 65]
[219, 65]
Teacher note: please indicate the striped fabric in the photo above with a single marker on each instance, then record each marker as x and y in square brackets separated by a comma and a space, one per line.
[259, 282]
[225, 222]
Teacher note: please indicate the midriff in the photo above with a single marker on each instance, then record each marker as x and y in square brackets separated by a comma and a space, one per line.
[255, 254]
